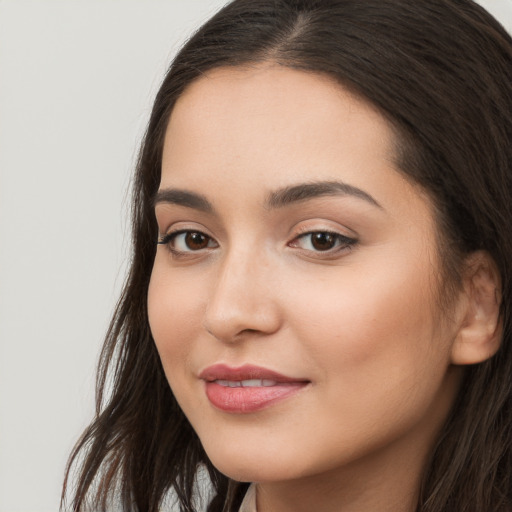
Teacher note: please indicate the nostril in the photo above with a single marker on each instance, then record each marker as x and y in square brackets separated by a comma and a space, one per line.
[248, 331]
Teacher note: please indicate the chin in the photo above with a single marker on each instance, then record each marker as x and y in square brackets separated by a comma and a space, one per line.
[249, 467]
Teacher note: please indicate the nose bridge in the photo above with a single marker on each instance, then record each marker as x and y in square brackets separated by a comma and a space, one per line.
[241, 298]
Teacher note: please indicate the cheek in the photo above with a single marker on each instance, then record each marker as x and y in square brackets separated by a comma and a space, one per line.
[372, 332]
[175, 306]
[380, 365]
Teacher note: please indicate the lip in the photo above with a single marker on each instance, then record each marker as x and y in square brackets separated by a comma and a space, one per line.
[252, 398]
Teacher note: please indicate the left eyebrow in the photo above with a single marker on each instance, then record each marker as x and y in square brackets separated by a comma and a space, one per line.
[304, 191]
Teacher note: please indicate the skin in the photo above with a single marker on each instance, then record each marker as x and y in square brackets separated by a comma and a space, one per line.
[362, 322]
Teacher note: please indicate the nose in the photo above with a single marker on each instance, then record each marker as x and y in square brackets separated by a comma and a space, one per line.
[243, 299]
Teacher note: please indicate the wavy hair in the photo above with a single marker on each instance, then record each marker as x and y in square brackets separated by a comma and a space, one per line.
[441, 72]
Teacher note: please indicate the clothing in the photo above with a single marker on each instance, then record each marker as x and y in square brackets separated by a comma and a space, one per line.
[249, 503]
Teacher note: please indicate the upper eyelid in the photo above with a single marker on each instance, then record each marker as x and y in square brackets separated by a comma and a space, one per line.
[331, 231]
[181, 226]
[176, 232]
[294, 233]
[343, 232]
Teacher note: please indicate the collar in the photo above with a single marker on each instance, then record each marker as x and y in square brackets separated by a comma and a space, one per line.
[249, 503]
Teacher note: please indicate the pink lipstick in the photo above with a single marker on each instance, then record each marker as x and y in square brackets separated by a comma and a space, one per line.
[247, 388]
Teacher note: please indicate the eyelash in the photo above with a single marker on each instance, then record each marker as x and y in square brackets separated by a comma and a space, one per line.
[169, 238]
[342, 242]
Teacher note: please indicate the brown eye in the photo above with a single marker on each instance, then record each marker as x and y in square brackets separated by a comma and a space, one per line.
[323, 241]
[196, 241]
[187, 241]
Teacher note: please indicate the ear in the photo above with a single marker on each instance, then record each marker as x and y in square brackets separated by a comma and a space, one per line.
[479, 336]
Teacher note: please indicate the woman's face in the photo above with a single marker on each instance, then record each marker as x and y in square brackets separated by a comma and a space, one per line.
[294, 294]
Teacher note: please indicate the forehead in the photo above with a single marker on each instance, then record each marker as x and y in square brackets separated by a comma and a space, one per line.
[275, 108]
[268, 126]
[266, 85]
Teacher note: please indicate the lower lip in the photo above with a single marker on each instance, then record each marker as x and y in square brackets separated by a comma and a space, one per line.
[250, 399]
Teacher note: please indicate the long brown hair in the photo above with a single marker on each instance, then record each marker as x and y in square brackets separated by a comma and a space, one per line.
[441, 72]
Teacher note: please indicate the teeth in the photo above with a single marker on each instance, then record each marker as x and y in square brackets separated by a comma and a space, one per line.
[258, 383]
[229, 383]
[249, 383]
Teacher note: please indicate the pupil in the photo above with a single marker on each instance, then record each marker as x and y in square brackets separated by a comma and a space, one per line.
[323, 241]
[196, 241]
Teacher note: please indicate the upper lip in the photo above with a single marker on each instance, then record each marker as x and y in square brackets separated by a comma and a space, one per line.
[245, 372]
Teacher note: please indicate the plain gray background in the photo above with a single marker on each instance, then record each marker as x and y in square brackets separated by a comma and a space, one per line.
[77, 78]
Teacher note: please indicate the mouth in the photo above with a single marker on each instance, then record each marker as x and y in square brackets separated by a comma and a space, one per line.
[247, 388]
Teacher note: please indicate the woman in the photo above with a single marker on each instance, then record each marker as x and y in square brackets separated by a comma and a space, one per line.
[319, 298]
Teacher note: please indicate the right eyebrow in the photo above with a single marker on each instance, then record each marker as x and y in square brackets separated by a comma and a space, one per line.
[183, 198]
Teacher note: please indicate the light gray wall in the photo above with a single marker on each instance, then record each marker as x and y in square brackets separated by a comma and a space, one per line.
[76, 82]
[77, 79]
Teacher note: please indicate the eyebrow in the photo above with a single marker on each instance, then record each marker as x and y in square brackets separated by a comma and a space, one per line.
[304, 191]
[278, 199]
[183, 198]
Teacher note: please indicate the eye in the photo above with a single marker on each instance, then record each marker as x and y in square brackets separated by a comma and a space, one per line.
[183, 241]
[322, 241]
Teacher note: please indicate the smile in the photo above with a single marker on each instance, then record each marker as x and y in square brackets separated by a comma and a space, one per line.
[248, 388]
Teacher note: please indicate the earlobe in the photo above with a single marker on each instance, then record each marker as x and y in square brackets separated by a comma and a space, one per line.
[479, 336]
